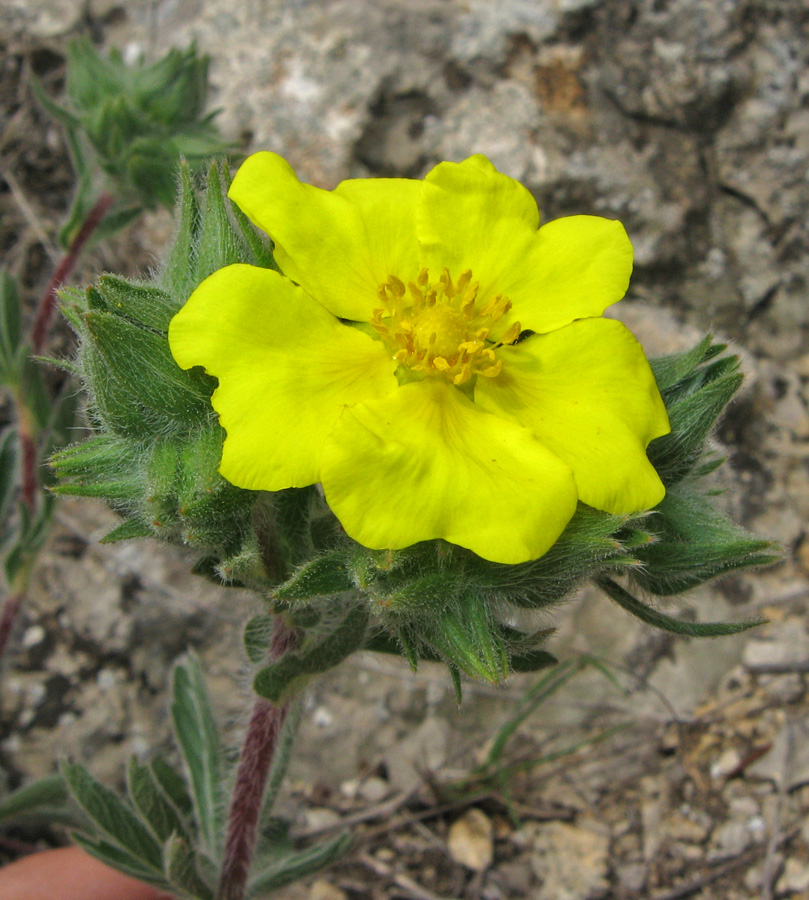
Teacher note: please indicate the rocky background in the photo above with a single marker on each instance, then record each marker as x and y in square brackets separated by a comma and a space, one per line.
[672, 768]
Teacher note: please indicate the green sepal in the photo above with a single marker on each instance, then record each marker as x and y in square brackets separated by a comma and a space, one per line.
[654, 617]
[131, 528]
[141, 304]
[694, 542]
[146, 373]
[219, 245]
[279, 681]
[466, 637]
[178, 271]
[675, 454]
[115, 492]
[671, 370]
[323, 576]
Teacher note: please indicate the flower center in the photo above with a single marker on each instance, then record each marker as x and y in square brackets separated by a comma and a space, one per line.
[438, 329]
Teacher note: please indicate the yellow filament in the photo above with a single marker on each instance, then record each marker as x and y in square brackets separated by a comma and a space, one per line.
[438, 329]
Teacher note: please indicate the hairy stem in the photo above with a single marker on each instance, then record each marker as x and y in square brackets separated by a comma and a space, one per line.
[8, 618]
[258, 749]
[68, 262]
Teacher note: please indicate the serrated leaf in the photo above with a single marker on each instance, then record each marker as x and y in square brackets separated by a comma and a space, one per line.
[676, 453]
[325, 575]
[116, 820]
[173, 785]
[177, 274]
[532, 661]
[218, 244]
[298, 865]
[120, 859]
[46, 792]
[654, 617]
[196, 735]
[281, 759]
[8, 470]
[668, 370]
[126, 531]
[181, 869]
[10, 334]
[257, 638]
[154, 807]
[282, 679]
[145, 370]
[141, 304]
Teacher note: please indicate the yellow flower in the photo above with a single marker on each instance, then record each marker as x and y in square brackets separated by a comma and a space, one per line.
[385, 361]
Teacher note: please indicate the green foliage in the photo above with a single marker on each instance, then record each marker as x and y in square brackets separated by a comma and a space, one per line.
[133, 123]
[434, 601]
[197, 738]
[156, 448]
[319, 653]
[169, 828]
[46, 797]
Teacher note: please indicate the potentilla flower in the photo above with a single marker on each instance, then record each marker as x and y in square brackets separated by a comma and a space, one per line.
[430, 355]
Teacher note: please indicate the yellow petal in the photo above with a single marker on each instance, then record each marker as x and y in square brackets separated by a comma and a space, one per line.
[286, 369]
[586, 391]
[471, 216]
[338, 245]
[425, 462]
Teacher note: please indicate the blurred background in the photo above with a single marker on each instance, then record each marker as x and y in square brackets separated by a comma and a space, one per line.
[663, 767]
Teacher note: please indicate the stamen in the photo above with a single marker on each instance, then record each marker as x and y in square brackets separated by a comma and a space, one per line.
[437, 330]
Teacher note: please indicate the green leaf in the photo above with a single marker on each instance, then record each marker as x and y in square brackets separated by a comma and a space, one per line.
[281, 759]
[177, 274]
[8, 470]
[218, 243]
[44, 793]
[466, 637]
[172, 784]
[532, 661]
[676, 453]
[113, 817]
[145, 371]
[181, 868]
[196, 734]
[669, 370]
[141, 304]
[151, 802]
[10, 334]
[257, 638]
[654, 617]
[298, 865]
[131, 528]
[120, 859]
[323, 576]
[282, 679]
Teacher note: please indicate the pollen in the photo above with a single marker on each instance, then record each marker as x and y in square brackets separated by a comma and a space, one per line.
[441, 329]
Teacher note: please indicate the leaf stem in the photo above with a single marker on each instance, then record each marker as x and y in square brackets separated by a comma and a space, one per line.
[66, 265]
[258, 749]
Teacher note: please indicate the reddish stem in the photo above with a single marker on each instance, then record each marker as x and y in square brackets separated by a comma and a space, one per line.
[68, 262]
[11, 609]
[258, 749]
